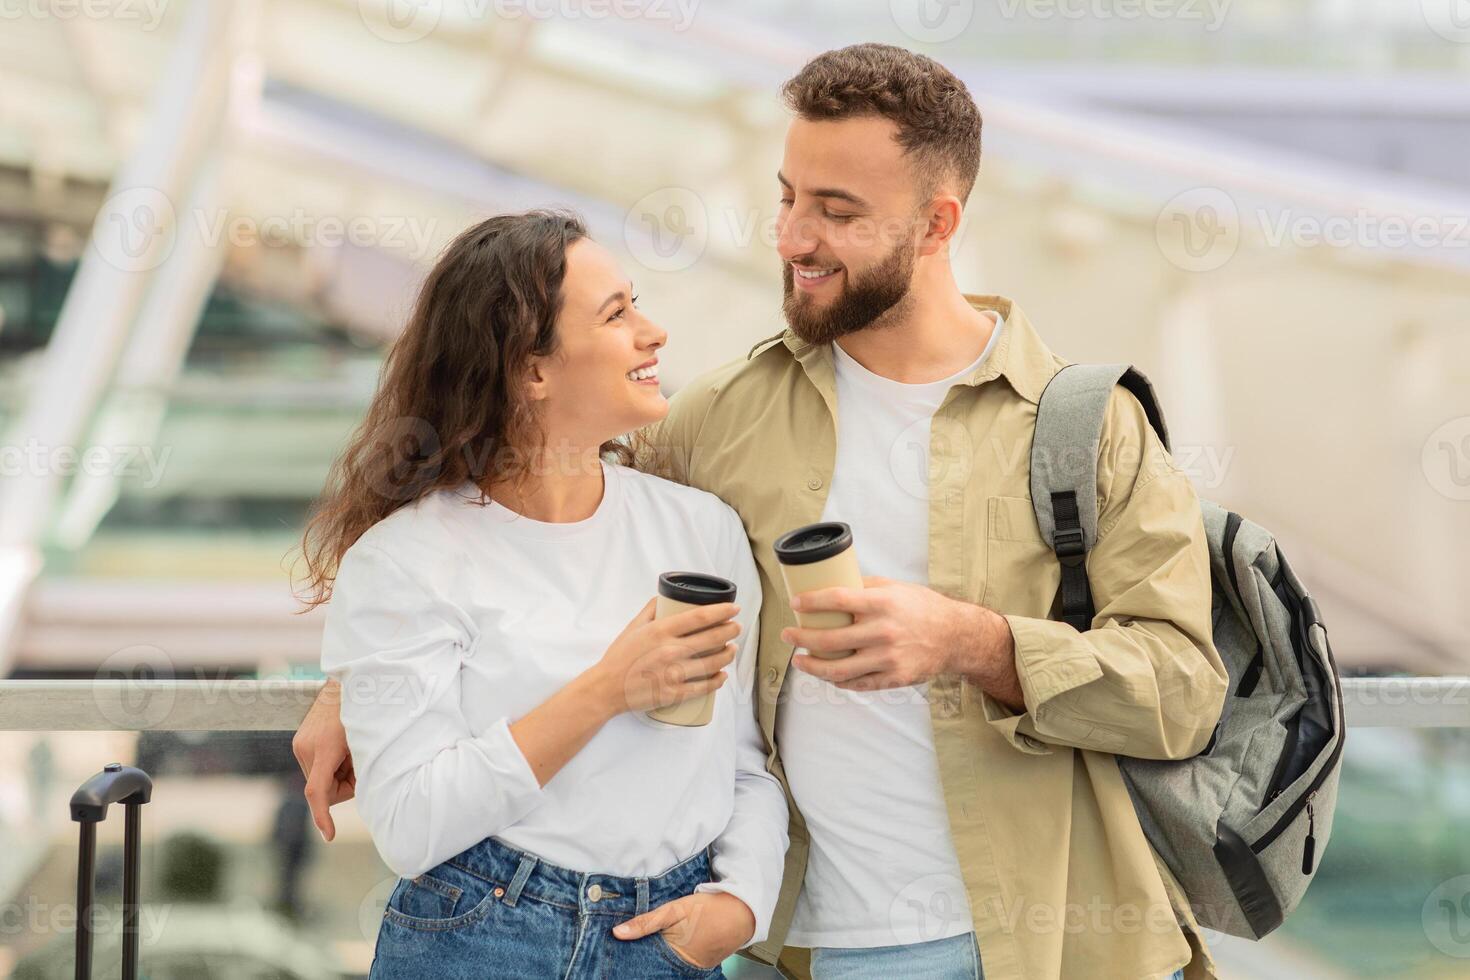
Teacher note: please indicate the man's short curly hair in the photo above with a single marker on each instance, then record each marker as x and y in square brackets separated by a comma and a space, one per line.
[938, 122]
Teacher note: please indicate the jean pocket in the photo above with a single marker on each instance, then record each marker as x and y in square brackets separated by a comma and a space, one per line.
[439, 901]
[677, 960]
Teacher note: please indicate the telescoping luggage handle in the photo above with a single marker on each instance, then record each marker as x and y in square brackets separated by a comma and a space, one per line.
[131, 787]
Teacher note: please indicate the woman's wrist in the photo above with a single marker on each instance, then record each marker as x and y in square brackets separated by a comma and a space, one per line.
[598, 692]
[742, 917]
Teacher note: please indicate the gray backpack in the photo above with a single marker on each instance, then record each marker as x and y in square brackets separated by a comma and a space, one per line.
[1242, 824]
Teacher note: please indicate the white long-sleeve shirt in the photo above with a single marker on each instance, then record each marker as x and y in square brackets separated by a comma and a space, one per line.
[449, 620]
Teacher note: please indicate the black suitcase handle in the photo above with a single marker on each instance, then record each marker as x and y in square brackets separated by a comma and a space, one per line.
[131, 787]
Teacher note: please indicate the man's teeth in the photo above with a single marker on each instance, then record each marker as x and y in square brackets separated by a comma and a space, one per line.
[642, 374]
[813, 273]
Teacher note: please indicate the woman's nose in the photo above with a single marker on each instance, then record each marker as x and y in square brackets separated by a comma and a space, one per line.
[655, 336]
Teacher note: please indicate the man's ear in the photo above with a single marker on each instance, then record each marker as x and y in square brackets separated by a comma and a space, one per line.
[944, 214]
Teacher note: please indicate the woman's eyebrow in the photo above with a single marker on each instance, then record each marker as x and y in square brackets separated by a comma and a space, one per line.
[621, 294]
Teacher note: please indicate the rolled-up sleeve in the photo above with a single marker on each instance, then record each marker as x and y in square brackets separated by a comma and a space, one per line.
[428, 786]
[750, 854]
[1145, 680]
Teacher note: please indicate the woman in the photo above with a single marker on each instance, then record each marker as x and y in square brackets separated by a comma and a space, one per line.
[491, 556]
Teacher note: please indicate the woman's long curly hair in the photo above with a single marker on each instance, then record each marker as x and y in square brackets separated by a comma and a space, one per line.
[452, 403]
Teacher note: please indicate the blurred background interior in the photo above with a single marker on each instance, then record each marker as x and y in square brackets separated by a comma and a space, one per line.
[213, 217]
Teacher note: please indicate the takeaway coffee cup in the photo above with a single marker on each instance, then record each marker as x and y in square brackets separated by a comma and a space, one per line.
[678, 592]
[819, 556]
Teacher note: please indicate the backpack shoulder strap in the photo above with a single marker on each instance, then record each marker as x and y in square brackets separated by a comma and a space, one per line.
[1069, 421]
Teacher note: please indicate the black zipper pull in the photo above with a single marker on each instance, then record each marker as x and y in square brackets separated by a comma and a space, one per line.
[1309, 846]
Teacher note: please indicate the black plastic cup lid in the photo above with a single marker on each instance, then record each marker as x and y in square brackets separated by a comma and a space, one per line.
[696, 588]
[813, 543]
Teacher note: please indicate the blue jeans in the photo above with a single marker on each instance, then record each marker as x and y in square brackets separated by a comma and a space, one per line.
[493, 911]
[955, 958]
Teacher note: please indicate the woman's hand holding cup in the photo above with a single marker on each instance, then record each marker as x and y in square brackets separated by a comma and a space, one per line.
[662, 661]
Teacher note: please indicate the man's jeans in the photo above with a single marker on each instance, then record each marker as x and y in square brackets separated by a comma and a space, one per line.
[956, 958]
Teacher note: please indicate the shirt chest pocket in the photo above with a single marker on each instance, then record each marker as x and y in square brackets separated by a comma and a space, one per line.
[1021, 572]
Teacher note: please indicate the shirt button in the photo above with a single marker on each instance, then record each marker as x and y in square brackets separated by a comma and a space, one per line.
[815, 483]
[771, 676]
[594, 893]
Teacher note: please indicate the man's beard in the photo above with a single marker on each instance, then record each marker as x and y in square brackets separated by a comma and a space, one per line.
[866, 298]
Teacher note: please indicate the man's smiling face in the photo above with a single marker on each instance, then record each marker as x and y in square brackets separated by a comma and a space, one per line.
[848, 224]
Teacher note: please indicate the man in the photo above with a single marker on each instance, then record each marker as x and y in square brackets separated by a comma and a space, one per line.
[957, 809]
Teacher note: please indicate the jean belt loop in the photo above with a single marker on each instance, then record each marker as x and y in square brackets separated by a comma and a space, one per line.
[528, 862]
[642, 907]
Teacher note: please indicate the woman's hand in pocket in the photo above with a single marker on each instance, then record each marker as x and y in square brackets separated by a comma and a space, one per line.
[702, 928]
[655, 662]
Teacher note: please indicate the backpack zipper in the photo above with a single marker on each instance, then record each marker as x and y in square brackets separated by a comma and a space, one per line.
[1279, 782]
[1309, 846]
[1264, 841]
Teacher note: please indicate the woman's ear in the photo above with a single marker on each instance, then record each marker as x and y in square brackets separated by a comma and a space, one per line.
[537, 388]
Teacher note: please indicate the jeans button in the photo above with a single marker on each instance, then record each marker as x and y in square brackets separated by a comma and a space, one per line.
[594, 893]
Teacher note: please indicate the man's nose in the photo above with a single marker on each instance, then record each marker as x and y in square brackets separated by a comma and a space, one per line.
[796, 239]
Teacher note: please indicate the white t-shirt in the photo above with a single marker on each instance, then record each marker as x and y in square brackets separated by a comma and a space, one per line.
[449, 620]
[882, 869]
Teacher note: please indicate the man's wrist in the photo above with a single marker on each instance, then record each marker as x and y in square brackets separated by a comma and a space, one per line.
[972, 639]
[987, 653]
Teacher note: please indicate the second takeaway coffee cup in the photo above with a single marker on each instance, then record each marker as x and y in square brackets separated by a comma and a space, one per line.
[819, 556]
[678, 592]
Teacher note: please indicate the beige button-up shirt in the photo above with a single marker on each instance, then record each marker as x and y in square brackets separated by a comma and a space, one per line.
[1061, 880]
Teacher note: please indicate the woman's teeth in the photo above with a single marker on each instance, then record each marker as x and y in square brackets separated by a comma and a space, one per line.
[643, 374]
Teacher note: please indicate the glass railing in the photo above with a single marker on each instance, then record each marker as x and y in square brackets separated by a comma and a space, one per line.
[236, 881]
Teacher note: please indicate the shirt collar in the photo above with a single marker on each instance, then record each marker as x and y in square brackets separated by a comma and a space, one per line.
[1019, 356]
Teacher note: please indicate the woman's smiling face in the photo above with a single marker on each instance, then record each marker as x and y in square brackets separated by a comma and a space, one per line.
[602, 381]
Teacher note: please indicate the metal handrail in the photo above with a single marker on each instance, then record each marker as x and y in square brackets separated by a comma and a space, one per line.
[279, 704]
